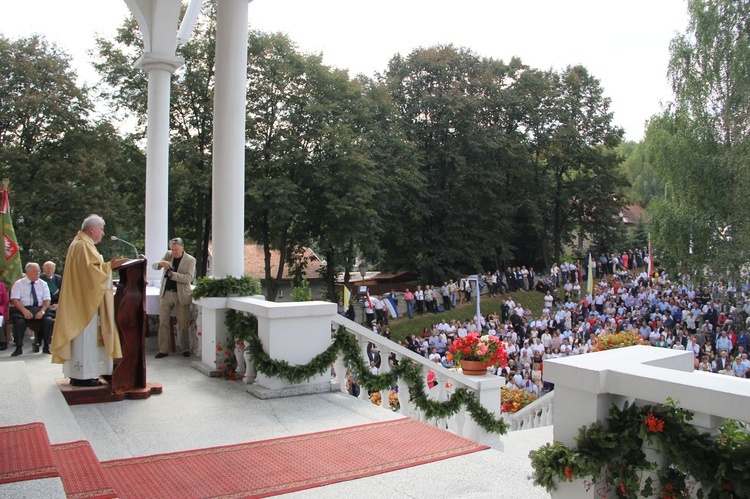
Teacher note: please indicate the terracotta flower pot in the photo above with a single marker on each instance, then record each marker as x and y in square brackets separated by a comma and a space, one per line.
[473, 367]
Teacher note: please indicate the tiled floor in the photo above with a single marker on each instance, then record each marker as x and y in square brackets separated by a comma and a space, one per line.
[196, 411]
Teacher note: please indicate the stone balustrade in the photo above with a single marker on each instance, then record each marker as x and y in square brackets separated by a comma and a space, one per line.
[487, 387]
[586, 386]
[297, 332]
[535, 415]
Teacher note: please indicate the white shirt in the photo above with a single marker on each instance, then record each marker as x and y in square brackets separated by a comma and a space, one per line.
[21, 291]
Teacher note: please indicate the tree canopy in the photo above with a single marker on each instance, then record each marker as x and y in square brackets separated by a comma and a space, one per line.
[699, 145]
[62, 166]
[446, 163]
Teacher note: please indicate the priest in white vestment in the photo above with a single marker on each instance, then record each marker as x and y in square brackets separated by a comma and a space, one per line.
[85, 339]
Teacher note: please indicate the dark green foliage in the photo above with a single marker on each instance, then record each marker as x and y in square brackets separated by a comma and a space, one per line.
[227, 286]
[61, 167]
[448, 163]
[698, 146]
[611, 455]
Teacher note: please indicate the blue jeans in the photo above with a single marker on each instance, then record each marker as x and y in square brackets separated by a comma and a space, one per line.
[410, 308]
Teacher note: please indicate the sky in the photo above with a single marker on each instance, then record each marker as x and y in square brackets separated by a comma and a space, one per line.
[623, 44]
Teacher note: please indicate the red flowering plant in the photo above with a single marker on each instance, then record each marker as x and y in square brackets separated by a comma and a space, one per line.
[226, 364]
[487, 349]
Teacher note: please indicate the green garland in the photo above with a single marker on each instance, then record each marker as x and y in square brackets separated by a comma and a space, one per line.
[611, 456]
[346, 344]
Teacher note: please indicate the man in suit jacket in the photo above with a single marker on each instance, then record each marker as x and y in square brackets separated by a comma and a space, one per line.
[179, 271]
[54, 283]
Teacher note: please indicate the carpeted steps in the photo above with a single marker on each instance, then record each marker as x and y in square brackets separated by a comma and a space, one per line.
[82, 474]
[253, 469]
[26, 455]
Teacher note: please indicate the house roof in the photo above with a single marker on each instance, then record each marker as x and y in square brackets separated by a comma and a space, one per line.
[633, 214]
[377, 276]
[254, 263]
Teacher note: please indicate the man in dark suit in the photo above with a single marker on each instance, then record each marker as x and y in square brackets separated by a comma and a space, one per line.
[373, 354]
[722, 362]
[54, 283]
[179, 271]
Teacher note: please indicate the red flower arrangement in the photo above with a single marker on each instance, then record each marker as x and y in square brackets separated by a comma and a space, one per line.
[487, 349]
[569, 473]
[655, 425]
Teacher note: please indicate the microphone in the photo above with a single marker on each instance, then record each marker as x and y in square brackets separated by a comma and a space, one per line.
[115, 238]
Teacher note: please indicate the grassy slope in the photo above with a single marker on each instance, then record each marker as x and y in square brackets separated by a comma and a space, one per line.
[403, 326]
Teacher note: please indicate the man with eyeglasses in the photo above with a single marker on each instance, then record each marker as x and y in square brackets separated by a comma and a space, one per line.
[85, 339]
[179, 271]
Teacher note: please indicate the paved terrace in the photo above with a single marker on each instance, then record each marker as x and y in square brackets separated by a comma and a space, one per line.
[196, 411]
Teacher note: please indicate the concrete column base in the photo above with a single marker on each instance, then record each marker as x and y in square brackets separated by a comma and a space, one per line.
[262, 392]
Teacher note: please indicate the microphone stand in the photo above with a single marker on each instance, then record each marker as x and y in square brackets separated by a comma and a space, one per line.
[135, 250]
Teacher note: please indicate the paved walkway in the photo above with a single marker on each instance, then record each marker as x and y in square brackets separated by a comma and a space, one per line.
[196, 411]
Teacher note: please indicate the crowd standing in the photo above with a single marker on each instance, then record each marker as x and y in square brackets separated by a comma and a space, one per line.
[713, 321]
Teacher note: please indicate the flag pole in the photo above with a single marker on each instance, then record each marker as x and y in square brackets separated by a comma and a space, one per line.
[650, 258]
[479, 310]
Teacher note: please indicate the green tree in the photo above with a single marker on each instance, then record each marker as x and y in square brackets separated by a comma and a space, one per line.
[342, 180]
[579, 165]
[61, 167]
[397, 181]
[699, 144]
[443, 96]
[278, 93]
[40, 98]
[644, 182]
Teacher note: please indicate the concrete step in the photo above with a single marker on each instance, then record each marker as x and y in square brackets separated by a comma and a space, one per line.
[196, 412]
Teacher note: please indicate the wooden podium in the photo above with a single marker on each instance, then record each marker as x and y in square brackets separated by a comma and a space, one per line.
[128, 379]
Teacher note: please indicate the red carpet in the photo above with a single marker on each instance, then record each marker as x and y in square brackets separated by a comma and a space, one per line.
[270, 467]
[81, 473]
[25, 453]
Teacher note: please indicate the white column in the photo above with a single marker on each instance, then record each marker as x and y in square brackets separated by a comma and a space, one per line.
[159, 69]
[228, 220]
[157, 20]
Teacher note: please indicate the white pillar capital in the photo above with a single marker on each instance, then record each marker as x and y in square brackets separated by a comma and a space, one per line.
[151, 60]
